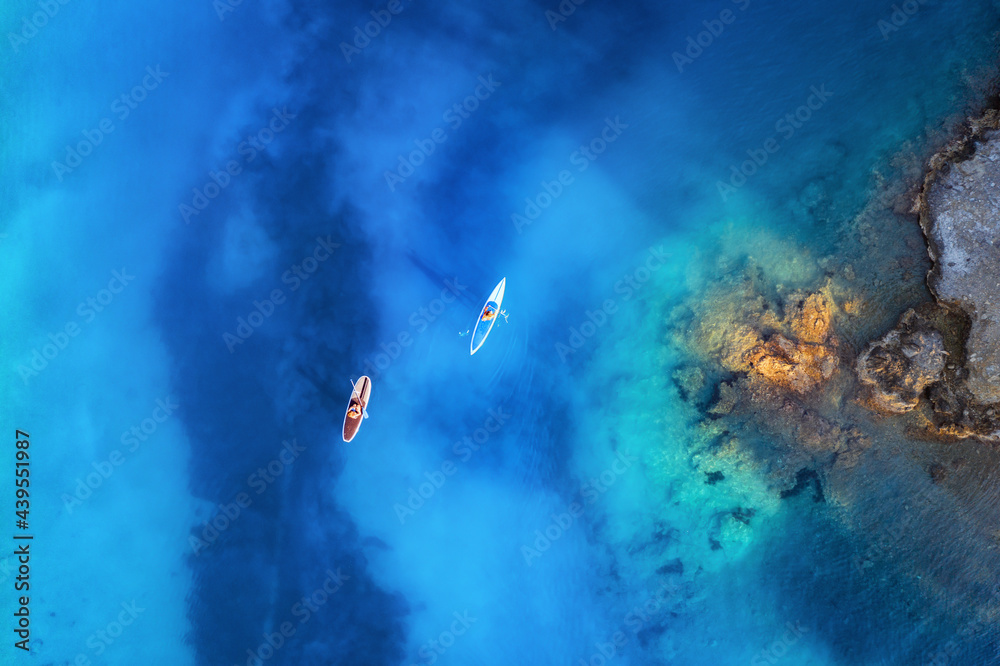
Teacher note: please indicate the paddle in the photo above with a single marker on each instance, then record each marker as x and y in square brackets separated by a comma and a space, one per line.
[364, 410]
[503, 313]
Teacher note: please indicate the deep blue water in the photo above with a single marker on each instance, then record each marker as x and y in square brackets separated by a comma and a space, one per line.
[288, 209]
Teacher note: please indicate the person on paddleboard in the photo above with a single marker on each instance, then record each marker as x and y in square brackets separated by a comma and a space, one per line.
[354, 411]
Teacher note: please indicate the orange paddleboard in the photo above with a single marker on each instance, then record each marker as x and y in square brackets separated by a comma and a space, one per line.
[356, 408]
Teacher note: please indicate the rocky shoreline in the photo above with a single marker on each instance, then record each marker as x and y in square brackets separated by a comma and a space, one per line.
[950, 349]
[854, 388]
[803, 365]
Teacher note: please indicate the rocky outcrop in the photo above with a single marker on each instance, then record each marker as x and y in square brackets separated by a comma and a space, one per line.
[957, 415]
[898, 368]
[797, 366]
[960, 215]
[788, 343]
[807, 358]
[921, 357]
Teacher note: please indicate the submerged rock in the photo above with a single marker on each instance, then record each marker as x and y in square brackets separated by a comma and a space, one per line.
[798, 366]
[691, 382]
[802, 363]
[810, 319]
[961, 219]
[899, 367]
[787, 342]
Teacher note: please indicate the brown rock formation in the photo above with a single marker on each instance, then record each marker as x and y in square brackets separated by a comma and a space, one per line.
[798, 366]
[811, 319]
[899, 367]
[807, 358]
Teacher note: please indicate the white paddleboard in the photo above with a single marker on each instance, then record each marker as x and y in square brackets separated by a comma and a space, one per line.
[485, 325]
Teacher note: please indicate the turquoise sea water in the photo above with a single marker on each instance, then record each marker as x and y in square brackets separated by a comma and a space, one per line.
[273, 209]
